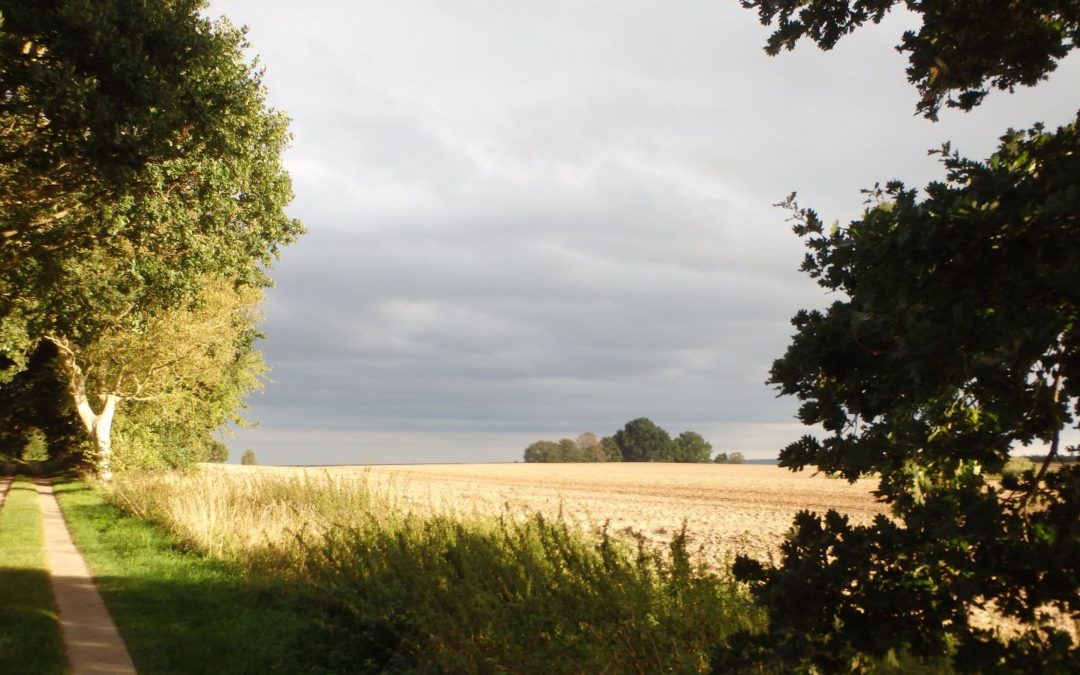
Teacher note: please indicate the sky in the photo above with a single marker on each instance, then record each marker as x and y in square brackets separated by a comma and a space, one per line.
[529, 220]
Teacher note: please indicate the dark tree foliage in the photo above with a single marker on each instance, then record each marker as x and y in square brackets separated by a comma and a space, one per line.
[137, 158]
[641, 440]
[612, 453]
[954, 342]
[956, 338]
[36, 398]
[106, 101]
[961, 49]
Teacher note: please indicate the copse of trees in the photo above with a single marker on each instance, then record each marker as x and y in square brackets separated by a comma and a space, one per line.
[732, 458]
[586, 448]
[640, 440]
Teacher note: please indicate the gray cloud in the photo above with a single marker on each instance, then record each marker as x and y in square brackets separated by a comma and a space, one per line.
[530, 220]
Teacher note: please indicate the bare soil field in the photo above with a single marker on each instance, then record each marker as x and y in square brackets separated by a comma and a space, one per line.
[727, 509]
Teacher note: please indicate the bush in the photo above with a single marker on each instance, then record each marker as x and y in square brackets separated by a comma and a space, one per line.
[217, 452]
[446, 595]
[36, 446]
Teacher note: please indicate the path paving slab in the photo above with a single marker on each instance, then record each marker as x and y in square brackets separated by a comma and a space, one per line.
[93, 644]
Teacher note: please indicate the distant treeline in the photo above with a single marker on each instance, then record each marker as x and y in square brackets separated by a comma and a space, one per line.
[640, 440]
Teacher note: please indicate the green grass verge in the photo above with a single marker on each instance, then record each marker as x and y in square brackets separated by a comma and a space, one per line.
[179, 612]
[29, 626]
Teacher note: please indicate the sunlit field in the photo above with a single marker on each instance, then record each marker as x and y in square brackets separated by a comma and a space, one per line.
[727, 509]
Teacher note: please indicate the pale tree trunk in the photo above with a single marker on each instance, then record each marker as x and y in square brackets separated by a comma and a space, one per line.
[97, 425]
[102, 432]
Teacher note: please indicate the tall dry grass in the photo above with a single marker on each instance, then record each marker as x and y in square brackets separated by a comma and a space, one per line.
[237, 516]
[392, 587]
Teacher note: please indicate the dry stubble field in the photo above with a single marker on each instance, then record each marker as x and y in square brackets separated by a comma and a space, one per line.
[728, 509]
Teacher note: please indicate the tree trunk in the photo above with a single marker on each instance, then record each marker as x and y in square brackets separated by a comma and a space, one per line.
[103, 436]
[97, 425]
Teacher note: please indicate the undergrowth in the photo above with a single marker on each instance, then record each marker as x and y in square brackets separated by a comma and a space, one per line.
[394, 590]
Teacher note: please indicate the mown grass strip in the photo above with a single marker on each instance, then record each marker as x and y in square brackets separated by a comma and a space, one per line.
[30, 639]
[179, 612]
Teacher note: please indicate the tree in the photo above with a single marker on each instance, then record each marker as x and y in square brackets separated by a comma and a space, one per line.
[164, 357]
[542, 451]
[590, 447]
[612, 452]
[248, 458]
[957, 339]
[954, 340]
[164, 160]
[218, 452]
[721, 458]
[36, 448]
[569, 451]
[690, 446]
[959, 51]
[566, 450]
[736, 458]
[109, 104]
[643, 441]
[133, 178]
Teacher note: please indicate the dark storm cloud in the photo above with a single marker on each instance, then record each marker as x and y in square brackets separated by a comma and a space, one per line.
[534, 219]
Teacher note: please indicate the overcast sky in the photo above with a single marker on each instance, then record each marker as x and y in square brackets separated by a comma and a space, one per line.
[532, 219]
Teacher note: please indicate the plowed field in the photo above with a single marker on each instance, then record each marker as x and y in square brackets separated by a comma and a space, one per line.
[727, 509]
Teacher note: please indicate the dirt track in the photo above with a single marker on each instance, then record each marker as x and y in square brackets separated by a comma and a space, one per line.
[728, 509]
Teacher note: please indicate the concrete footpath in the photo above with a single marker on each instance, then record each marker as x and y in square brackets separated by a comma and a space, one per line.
[93, 643]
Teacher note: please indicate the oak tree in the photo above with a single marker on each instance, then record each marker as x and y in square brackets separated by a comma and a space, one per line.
[960, 51]
[200, 355]
[641, 440]
[690, 446]
[953, 341]
[142, 171]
